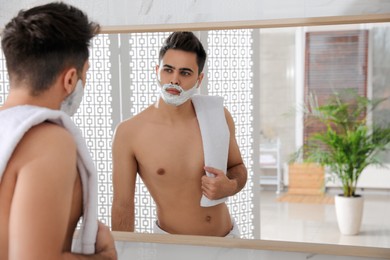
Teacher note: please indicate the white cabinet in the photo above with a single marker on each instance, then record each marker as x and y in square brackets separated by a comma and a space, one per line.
[270, 165]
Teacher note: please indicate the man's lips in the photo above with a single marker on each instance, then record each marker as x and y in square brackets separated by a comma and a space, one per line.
[173, 91]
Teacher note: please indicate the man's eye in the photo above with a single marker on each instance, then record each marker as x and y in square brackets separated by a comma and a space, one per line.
[185, 73]
[168, 70]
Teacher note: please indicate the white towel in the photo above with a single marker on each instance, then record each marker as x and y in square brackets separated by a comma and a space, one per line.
[215, 136]
[15, 122]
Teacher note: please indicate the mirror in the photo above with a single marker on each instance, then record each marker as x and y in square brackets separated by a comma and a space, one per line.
[276, 64]
[276, 59]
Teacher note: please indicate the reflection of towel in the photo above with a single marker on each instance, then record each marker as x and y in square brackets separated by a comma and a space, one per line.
[15, 122]
[215, 136]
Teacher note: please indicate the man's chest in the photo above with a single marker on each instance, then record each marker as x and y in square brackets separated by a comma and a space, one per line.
[171, 151]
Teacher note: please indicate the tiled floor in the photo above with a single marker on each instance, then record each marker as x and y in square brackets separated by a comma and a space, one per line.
[316, 223]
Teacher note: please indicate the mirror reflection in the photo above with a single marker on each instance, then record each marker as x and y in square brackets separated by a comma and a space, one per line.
[264, 76]
[184, 149]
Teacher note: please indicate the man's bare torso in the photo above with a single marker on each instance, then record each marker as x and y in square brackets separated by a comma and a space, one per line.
[170, 162]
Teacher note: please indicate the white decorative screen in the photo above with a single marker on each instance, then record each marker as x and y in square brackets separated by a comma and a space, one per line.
[230, 75]
[121, 82]
[94, 119]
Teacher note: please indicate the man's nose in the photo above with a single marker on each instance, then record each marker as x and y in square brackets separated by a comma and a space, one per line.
[175, 79]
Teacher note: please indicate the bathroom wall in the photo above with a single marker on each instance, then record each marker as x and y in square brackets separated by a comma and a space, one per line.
[277, 82]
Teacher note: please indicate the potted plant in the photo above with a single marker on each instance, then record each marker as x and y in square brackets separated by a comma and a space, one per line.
[345, 146]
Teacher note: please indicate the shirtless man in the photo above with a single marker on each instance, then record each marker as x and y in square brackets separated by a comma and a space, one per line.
[41, 192]
[163, 144]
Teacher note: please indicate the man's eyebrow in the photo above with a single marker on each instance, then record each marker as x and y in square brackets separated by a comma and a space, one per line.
[181, 69]
[168, 66]
[186, 69]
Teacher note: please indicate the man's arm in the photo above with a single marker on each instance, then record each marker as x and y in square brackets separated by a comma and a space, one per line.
[124, 178]
[236, 170]
[42, 200]
[235, 179]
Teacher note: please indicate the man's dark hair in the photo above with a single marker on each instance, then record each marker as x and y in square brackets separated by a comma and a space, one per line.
[185, 41]
[39, 43]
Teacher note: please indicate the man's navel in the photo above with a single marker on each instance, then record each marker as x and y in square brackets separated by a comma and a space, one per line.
[160, 171]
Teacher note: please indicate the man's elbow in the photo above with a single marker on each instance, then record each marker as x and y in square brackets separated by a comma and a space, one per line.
[245, 173]
[242, 176]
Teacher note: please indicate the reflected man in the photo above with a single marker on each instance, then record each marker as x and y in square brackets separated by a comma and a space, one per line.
[163, 144]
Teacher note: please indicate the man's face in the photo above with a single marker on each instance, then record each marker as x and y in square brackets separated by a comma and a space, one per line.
[180, 68]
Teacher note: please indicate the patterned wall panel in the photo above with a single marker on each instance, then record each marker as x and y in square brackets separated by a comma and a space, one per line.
[94, 120]
[230, 76]
[143, 53]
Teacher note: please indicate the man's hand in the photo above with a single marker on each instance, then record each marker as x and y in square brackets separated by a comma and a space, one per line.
[219, 186]
[105, 245]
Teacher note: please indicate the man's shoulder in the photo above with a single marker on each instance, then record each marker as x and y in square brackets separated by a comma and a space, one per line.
[137, 120]
[51, 132]
[46, 140]
[130, 128]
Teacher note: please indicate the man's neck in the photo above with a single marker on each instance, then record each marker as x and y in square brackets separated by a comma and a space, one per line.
[171, 113]
[21, 96]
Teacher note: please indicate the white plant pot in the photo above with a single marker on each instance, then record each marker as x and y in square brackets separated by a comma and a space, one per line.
[349, 212]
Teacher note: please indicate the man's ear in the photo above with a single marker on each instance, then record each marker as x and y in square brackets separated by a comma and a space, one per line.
[70, 80]
[200, 78]
[158, 72]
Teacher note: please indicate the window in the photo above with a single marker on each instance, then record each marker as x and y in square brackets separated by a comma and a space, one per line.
[335, 60]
